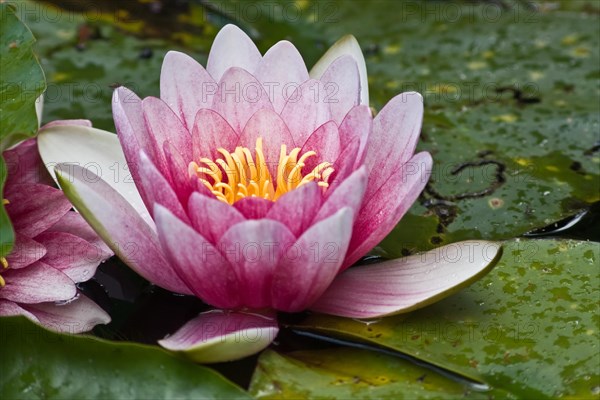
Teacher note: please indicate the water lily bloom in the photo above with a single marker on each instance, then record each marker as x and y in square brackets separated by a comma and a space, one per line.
[254, 185]
[54, 249]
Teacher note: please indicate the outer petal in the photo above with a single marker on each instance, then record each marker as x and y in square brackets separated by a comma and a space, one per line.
[185, 86]
[9, 308]
[358, 122]
[325, 141]
[342, 82]
[62, 122]
[239, 96]
[33, 208]
[37, 283]
[408, 283]
[211, 217]
[120, 226]
[232, 48]
[307, 108]
[210, 132]
[70, 254]
[77, 316]
[157, 188]
[380, 213]
[93, 149]
[181, 182]
[132, 132]
[24, 165]
[197, 261]
[218, 336]
[310, 265]
[74, 224]
[164, 126]
[282, 67]
[348, 194]
[396, 130]
[254, 249]
[25, 252]
[297, 208]
[347, 45]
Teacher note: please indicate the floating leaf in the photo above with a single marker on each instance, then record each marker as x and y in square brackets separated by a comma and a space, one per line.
[531, 326]
[38, 364]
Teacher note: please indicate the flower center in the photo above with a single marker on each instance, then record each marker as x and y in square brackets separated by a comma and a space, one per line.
[3, 262]
[237, 175]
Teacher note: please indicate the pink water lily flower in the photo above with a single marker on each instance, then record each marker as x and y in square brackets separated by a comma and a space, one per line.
[254, 185]
[54, 249]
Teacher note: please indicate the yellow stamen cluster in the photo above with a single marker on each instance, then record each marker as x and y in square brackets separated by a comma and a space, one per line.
[237, 175]
[4, 264]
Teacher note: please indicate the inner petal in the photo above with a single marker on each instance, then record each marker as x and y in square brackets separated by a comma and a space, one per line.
[238, 174]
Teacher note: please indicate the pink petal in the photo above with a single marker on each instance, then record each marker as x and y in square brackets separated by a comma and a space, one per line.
[24, 165]
[232, 48]
[218, 336]
[211, 217]
[181, 182]
[239, 96]
[342, 82]
[409, 283]
[344, 166]
[358, 122]
[157, 188]
[119, 225]
[33, 208]
[307, 108]
[70, 254]
[311, 263]
[269, 126]
[253, 207]
[164, 126]
[254, 249]
[131, 128]
[74, 224]
[37, 283]
[211, 132]
[185, 86]
[197, 261]
[348, 194]
[9, 309]
[77, 316]
[325, 141]
[395, 133]
[63, 122]
[281, 70]
[297, 208]
[25, 252]
[387, 206]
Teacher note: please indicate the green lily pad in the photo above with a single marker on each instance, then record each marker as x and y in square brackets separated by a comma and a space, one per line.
[38, 364]
[352, 373]
[21, 82]
[531, 326]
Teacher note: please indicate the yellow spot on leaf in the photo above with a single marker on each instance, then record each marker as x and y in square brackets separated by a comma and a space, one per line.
[508, 118]
[476, 65]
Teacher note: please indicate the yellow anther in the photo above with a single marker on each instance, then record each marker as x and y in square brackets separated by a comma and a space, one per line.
[4, 264]
[238, 174]
[5, 202]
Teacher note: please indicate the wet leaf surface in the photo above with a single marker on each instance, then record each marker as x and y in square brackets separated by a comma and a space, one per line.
[350, 373]
[38, 364]
[530, 326]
